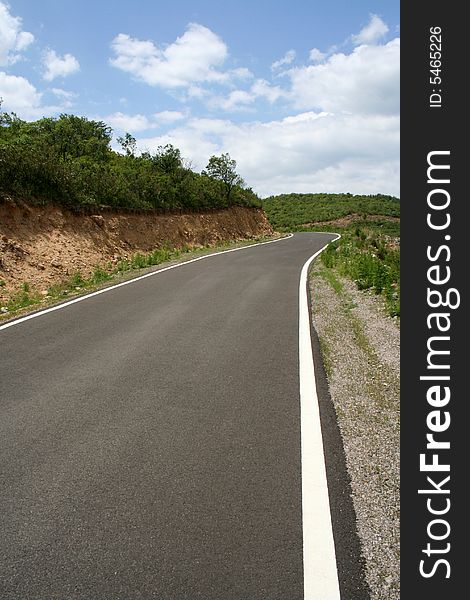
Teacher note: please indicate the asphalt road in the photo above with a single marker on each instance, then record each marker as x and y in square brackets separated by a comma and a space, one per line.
[150, 437]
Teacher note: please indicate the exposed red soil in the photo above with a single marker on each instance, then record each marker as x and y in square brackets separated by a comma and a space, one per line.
[44, 245]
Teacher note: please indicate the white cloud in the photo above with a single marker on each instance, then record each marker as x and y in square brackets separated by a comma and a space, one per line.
[18, 94]
[65, 96]
[365, 81]
[60, 93]
[191, 58]
[21, 97]
[196, 149]
[342, 133]
[316, 55]
[169, 116]
[130, 123]
[137, 123]
[241, 73]
[235, 101]
[288, 57]
[12, 39]
[57, 66]
[306, 152]
[243, 100]
[263, 89]
[374, 31]
[196, 92]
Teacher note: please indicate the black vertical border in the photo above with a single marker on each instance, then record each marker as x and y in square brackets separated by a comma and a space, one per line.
[425, 129]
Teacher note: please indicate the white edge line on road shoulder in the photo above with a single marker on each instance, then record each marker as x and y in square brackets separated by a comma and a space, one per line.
[129, 281]
[320, 569]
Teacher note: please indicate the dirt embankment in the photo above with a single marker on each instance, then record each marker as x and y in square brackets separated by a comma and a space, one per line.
[45, 245]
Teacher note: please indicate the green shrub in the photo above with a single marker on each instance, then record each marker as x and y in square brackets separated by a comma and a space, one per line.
[370, 260]
[69, 160]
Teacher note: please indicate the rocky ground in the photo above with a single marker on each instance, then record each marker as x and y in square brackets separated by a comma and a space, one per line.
[360, 347]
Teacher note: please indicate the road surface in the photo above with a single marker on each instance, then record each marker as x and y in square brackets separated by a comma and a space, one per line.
[150, 440]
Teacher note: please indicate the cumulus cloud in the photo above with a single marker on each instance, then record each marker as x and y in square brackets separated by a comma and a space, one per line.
[21, 97]
[242, 100]
[236, 100]
[18, 93]
[241, 73]
[169, 116]
[131, 123]
[365, 81]
[190, 59]
[288, 57]
[60, 93]
[263, 89]
[12, 39]
[196, 148]
[139, 122]
[65, 96]
[311, 151]
[59, 66]
[316, 55]
[374, 31]
[342, 133]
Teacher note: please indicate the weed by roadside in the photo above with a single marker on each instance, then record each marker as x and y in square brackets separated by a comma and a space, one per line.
[371, 260]
[25, 297]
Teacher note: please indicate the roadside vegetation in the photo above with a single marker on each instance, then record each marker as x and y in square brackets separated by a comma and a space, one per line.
[368, 252]
[69, 161]
[371, 260]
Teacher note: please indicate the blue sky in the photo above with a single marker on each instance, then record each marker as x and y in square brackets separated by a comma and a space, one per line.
[303, 94]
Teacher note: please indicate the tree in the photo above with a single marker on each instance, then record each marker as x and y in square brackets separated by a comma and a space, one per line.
[168, 159]
[71, 137]
[10, 124]
[222, 168]
[128, 144]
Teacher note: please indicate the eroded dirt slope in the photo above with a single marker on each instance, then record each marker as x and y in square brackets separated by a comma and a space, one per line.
[44, 245]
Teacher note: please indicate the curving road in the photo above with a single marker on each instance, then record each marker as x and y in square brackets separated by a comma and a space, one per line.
[150, 437]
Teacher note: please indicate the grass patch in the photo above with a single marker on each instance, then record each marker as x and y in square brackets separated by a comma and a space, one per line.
[330, 277]
[371, 260]
[100, 275]
[22, 299]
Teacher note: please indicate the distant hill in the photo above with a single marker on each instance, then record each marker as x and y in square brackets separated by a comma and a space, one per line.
[294, 212]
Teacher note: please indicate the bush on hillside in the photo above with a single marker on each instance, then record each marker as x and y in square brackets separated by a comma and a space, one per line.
[69, 160]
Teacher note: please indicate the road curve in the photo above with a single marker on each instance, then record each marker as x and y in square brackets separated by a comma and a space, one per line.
[150, 437]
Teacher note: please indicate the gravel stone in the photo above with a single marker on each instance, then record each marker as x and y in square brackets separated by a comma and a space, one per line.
[361, 352]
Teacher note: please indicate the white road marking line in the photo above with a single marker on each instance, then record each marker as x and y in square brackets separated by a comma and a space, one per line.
[320, 571]
[319, 557]
[129, 281]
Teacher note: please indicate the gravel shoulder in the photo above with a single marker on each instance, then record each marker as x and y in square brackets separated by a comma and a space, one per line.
[360, 348]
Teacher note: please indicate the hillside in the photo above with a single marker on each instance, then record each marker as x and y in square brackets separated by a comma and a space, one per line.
[368, 252]
[295, 212]
[45, 246]
[70, 204]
